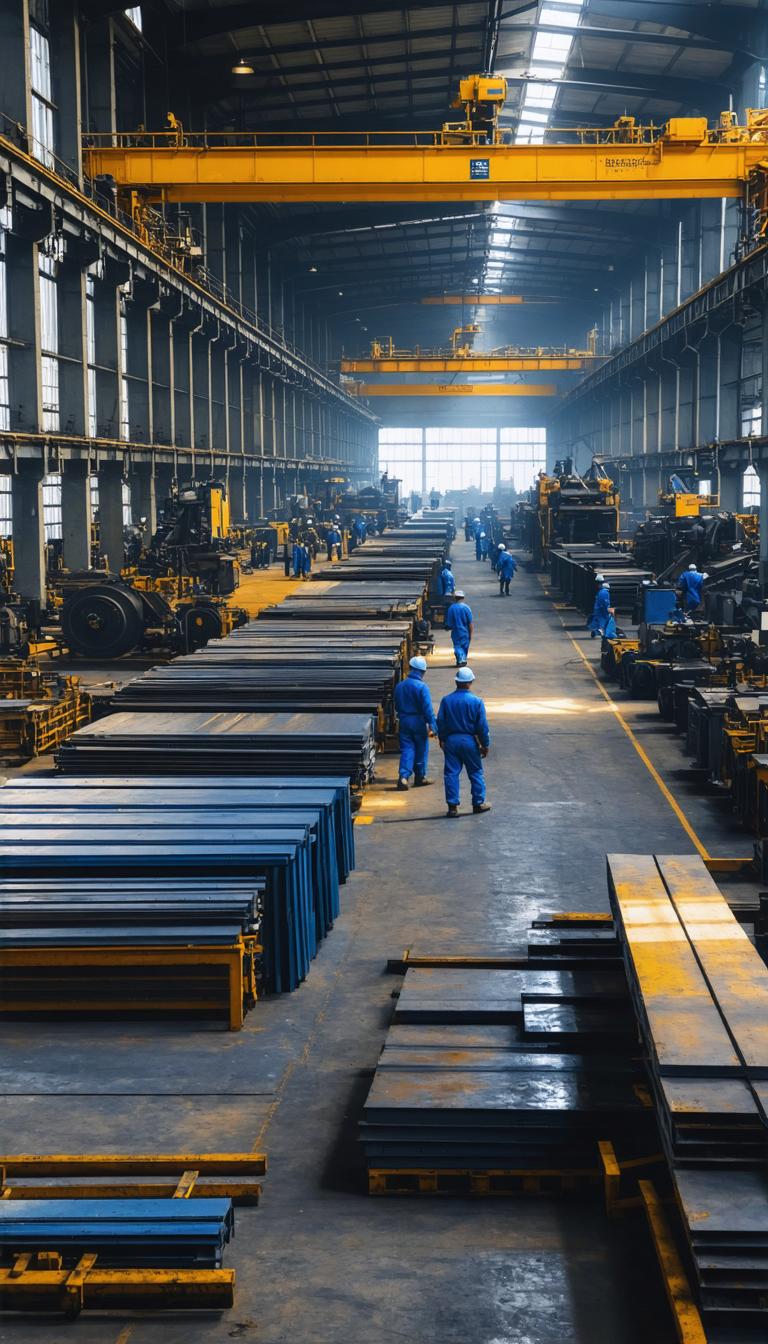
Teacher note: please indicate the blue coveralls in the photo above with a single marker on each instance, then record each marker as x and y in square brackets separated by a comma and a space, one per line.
[447, 582]
[599, 618]
[692, 584]
[306, 560]
[333, 538]
[458, 619]
[462, 727]
[507, 567]
[413, 703]
[297, 556]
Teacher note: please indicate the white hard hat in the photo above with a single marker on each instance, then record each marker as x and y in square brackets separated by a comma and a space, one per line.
[502, 547]
[606, 585]
[458, 593]
[447, 564]
[418, 663]
[476, 520]
[465, 675]
[691, 566]
[599, 578]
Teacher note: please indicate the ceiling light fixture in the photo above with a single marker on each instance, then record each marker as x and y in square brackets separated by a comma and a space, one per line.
[242, 66]
[313, 270]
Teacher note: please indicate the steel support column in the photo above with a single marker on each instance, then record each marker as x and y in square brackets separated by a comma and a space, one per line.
[29, 530]
[76, 514]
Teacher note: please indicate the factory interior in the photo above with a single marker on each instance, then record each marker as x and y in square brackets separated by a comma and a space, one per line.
[384, 672]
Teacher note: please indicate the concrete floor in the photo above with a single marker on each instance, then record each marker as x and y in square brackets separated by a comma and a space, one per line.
[320, 1262]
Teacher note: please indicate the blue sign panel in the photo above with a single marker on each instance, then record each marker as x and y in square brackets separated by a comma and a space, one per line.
[479, 169]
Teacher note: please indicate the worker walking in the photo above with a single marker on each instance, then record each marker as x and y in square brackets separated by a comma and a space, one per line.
[601, 610]
[447, 581]
[458, 619]
[691, 585]
[462, 727]
[333, 542]
[413, 703]
[496, 556]
[507, 567]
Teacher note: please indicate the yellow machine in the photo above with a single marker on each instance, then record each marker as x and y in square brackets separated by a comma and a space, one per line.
[7, 566]
[566, 508]
[38, 710]
[689, 505]
[385, 357]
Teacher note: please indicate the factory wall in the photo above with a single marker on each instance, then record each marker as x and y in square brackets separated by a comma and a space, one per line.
[139, 349]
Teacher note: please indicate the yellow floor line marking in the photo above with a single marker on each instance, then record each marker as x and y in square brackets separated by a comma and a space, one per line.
[644, 757]
[363, 819]
[124, 1335]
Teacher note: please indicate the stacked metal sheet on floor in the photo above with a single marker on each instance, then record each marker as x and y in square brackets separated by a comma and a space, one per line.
[220, 743]
[294, 842]
[177, 1233]
[519, 1070]
[700, 993]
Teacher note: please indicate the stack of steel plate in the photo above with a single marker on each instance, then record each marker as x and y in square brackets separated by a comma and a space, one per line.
[700, 993]
[283, 847]
[219, 744]
[515, 1070]
[160, 1233]
[725, 1219]
[212, 792]
[299, 683]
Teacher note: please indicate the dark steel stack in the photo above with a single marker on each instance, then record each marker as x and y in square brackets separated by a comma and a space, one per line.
[221, 744]
[294, 844]
[573, 570]
[507, 1070]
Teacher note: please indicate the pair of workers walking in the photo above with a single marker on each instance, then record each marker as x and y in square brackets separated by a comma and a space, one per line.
[461, 727]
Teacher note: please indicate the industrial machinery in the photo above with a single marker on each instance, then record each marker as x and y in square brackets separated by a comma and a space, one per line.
[461, 357]
[192, 538]
[38, 710]
[566, 507]
[112, 617]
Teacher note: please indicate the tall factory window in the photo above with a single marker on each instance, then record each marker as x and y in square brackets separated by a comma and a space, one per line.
[400, 453]
[90, 337]
[43, 144]
[751, 489]
[522, 455]
[5, 393]
[49, 339]
[124, 416]
[6, 507]
[134, 14]
[52, 507]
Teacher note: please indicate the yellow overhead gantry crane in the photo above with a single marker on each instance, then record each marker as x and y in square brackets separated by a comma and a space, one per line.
[464, 161]
[386, 358]
[452, 389]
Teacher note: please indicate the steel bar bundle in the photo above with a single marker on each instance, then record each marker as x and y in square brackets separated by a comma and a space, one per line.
[163, 1233]
[220, 743]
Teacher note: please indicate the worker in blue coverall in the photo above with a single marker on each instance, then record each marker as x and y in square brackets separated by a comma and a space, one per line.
[601, 610]
[297, 556]
[691, 586]
[333, 542]
[481, 544]
[413, 703]
[507, 567]
[462, 727]
[458, 619]
[447, 581]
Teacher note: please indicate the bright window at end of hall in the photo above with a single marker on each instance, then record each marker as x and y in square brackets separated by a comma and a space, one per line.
[134, 14]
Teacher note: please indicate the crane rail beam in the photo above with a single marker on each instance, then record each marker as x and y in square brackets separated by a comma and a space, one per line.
[313, 171]
[474, 364]
[457, 390]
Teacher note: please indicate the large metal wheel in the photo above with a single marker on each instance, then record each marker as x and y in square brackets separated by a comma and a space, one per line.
[199, 624]
[104, 621]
